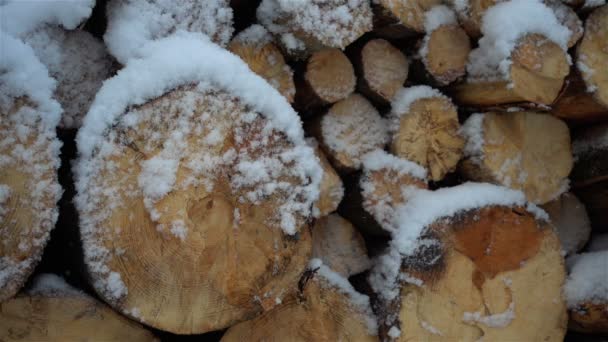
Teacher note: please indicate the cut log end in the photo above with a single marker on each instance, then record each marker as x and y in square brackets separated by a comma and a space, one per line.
[515, 150]
[495, 257]
[569, 217]
[446, 52]
[429, 135]
[332, 189]
[330, 77]
[592, 55]
[409, 14]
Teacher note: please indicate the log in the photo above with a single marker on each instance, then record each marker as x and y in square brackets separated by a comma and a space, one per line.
[570, 219]
[210, 166]
[328, 78]
[587, 292]
[395, 19]
[78, 61]
[337, 243]
[445, 47]
[474, 270]
[308, 26]
[522, 150]
[332, 189]
[29, 160]
[350, 129]
[212, 18]
[424, 127]
[576, 105]
[539, 67]
[53, 311]
[327, 309]
[589, 175]
[381, 70]
[255, 47]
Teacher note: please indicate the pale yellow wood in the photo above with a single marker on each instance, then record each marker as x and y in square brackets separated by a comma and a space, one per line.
[493, 261]
[527, 151]
[592, 54]
[65, 318]
[409, 12]
[339, 245]
[330, 75]
[235, 259]
[28, 176]
[266, 60]
[472, 17]
[384, 68]
[448, 51]
[429, 135]
[332, 189]
[321, 314]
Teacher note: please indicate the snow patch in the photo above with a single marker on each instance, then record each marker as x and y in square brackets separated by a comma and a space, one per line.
[586, 282]
[21, 17]
[48, 284]
[404, 98]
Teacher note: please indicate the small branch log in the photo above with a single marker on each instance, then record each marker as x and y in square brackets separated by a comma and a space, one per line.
[350, 129]
[254, 46]
[29, 190]
[323, 312]
[522, 150]
[328, 78]
[590, 173]
[445, 52]
[537, 73]
[65, 315]
[424, 126]
[332, 189]
[308, 26]
[479, 276]
[339, 245]
[569, 217]
[381, 70]
[592, 55]
[395, 19]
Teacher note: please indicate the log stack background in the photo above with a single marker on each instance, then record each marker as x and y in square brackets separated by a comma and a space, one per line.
[354, 98]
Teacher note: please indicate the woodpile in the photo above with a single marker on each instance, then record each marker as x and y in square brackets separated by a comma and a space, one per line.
[323, 170]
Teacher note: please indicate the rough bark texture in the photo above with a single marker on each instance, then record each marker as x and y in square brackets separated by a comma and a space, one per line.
[518, 149]
[428, 135]
[485, 281]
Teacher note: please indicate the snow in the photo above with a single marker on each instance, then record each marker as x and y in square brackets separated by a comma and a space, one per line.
[267, 148]
[587, 73]
[20, 17]
[5, 192]
[394, 332]
[253, 35]
[586, 282]
[361, 301]
[404, 98]
[437, 17]
[354, 133]
[593, 3]
[335, 23]
[378, 160]
[502, 27]
[132, 24]
[472, 131]
[598, 243]
[425, 207]
[79, 63]
[594, 139]
[499, 320]
[48, 284]
[426, 326]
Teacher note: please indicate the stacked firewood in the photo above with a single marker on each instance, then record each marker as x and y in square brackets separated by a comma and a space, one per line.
[318, 170]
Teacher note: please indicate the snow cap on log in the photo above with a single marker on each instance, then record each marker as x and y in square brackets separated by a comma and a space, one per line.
[21, 17]
[134, 23]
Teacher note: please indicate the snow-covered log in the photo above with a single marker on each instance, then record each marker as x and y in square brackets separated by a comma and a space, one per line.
[585, 97]
[53, 311]
[134, 23]
[381, 188]
[350, 129]
[445, 47]
[424, 129]
[519, 58]
[328, 77]
[195, 189]
[255, 47]
[29, 160]
[590, 173]
[468, 262]
[571, 222]
[586, 291]
[394, 19]
[327, 309]
[78, 61]
[381, 69]
[521, 150]
[303, 27]
[337, 243]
